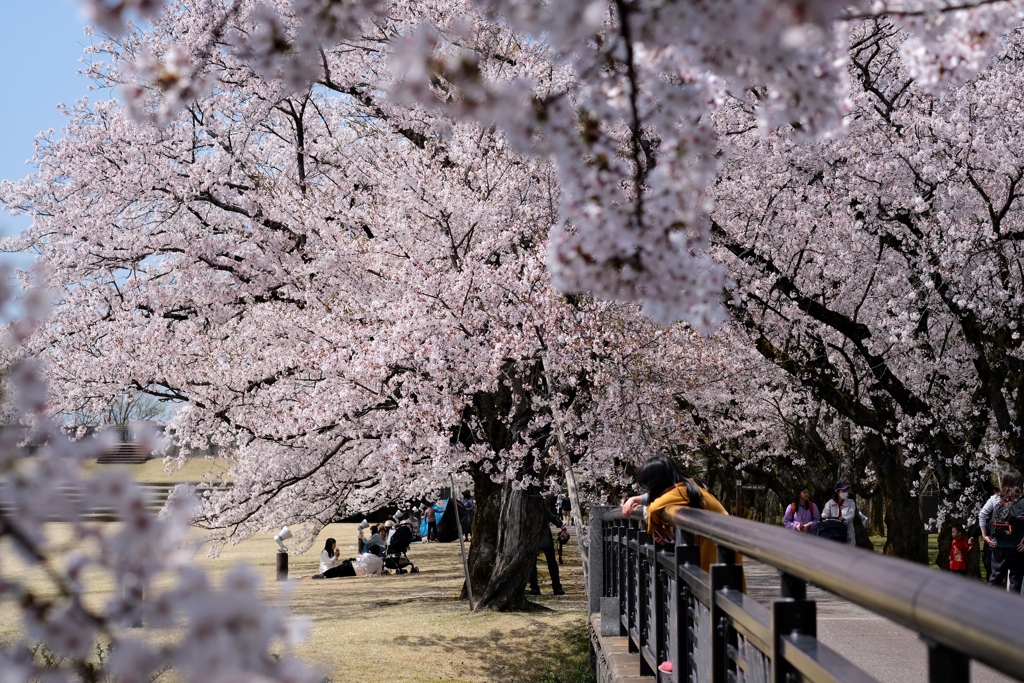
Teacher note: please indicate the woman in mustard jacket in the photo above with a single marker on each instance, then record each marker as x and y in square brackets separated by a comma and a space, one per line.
[667, 490]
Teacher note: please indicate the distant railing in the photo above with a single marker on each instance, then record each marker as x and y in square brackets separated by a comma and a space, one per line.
[672, 610]
[90, 512]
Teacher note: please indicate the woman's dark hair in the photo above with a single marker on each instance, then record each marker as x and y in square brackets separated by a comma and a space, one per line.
[1011, 485]
[959, 527]
[329, 546]
[796, 495]
[660, 473]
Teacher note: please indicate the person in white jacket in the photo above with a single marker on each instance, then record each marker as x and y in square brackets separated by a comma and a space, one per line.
[331, 564]
[842, 508]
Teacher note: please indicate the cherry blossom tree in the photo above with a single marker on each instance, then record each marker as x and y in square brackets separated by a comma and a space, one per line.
[333, 247]
[881, 270]
[347, 293]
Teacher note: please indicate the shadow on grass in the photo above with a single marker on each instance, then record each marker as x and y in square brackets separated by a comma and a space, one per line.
[531, 655]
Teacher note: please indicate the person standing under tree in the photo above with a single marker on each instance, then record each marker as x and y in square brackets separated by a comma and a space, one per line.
[565, 508]
[430, 514]
[959, 549]
[997, 519]
[469, 505]
[842, 508]
[547, 546]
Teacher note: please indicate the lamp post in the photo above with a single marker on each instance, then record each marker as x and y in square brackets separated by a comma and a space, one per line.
[282, 553]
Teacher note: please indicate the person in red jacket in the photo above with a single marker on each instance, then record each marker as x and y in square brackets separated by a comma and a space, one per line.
[959, 549]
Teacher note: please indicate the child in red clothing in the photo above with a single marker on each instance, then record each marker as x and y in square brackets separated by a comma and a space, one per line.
[959, 549]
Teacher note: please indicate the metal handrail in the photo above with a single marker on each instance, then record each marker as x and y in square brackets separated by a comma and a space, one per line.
[963, 615]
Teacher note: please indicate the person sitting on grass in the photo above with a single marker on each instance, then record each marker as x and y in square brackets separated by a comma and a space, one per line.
[375, 543]
[331, 564]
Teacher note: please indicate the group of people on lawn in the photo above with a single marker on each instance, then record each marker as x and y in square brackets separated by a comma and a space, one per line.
[371, 550]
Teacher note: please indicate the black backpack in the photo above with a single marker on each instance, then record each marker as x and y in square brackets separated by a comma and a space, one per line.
[1008, 520]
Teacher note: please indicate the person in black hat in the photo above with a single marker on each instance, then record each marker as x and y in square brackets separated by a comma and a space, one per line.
[842, 508]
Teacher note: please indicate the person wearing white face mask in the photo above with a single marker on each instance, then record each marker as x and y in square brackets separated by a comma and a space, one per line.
[843, 509]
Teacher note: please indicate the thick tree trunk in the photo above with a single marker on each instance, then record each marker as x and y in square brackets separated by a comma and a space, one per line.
[483, 551]
[507, 523]
[905, 532]
[519, 518]
[945, 541]
[876, 513]
[862, 539]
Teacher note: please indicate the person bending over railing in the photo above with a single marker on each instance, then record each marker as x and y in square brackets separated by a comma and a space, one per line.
[666, 490]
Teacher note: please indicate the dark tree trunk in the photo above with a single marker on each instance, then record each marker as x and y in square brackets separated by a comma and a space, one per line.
[508, 520]
[519, 518]
[876, 513]
[945, 541]
[484, 549]
[974, 558]
[862, 539]
[905, 532]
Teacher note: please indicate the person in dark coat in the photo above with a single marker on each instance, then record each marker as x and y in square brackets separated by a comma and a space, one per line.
[547, 546]
[469, 505]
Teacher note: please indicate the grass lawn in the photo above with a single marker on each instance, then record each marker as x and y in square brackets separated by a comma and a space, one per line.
[155, 470]
[933, 547]
[401, 628]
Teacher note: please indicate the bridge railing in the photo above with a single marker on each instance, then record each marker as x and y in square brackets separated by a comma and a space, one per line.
[712, 632]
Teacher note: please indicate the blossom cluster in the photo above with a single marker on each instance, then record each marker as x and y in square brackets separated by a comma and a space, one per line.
[625, 120]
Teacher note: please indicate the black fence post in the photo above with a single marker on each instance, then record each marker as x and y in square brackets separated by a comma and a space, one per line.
[621, 572]
[790, 616]
[946, 665]
[645, 597]
[597, 577]
[724, 577]
[681, 648]
[662, 608]
[793, 587]
[632, 567]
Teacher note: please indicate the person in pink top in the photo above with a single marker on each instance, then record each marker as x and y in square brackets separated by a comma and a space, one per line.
[802, 514]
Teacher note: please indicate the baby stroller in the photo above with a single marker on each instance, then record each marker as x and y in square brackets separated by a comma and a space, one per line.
[396, 558]
[832, 529]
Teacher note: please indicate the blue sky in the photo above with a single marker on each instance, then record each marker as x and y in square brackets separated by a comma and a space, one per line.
[41, 42]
